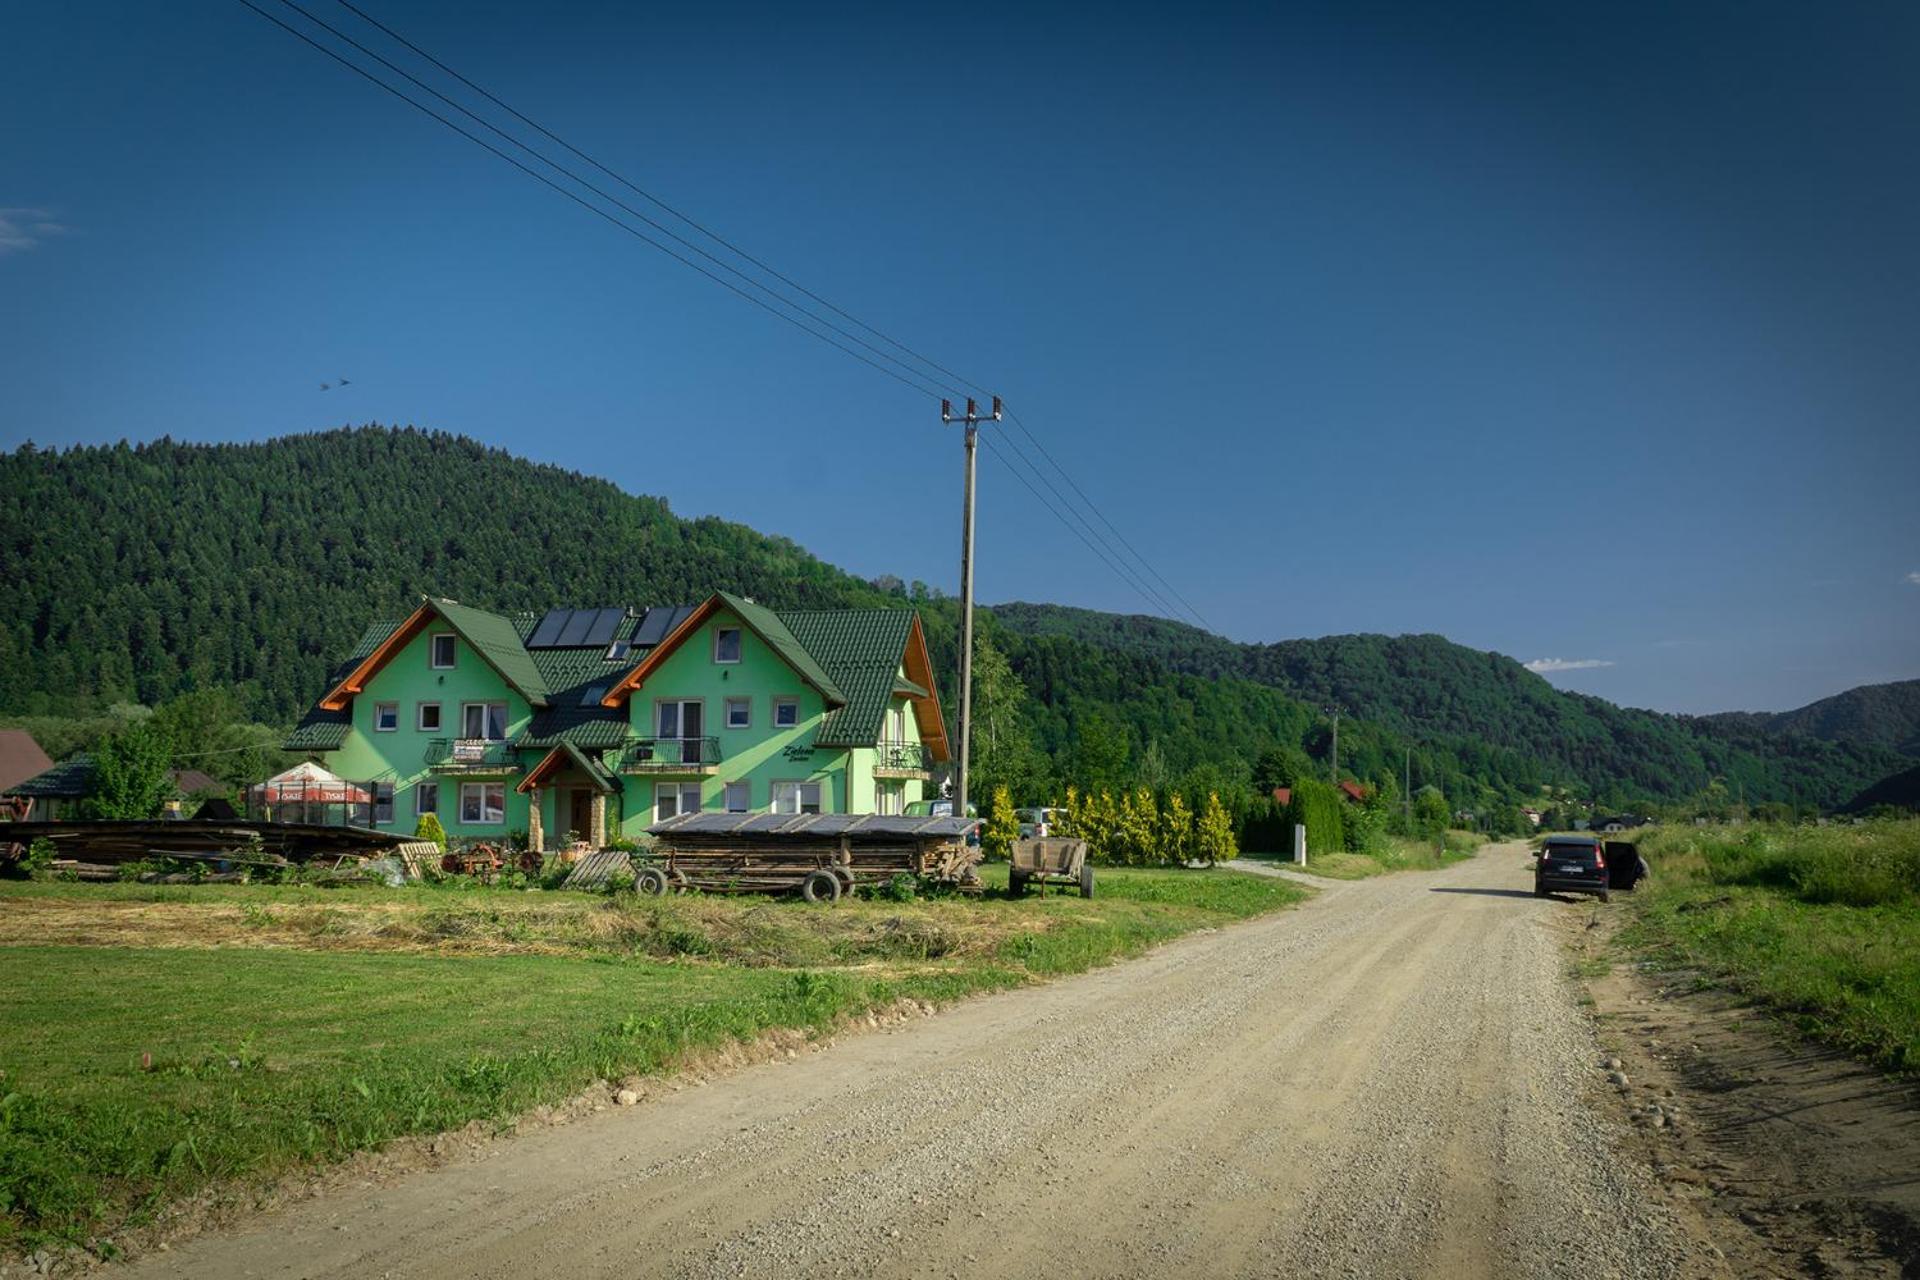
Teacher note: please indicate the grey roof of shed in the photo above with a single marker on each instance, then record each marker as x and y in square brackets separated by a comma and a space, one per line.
[812, 825]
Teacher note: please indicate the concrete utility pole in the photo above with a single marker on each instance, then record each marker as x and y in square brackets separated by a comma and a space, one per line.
[972, 420]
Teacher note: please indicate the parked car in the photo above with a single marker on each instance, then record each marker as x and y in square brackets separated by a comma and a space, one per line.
[1571, 864]
[1040, 824]
[943, 808]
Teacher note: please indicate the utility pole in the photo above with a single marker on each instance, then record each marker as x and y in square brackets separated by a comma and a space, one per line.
[971, 420]
[1406, 795]
[1334, 711]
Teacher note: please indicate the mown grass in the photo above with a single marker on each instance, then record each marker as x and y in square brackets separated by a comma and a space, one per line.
[1398, 854]
[276, 1026]
[1819, 923]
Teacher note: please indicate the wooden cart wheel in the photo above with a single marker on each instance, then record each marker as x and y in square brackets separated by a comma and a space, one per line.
[1086, 879]
[651, 881]
[820, 886]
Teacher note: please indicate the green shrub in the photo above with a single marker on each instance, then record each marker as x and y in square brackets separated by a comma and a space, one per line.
[1002, 826]
[429, 828]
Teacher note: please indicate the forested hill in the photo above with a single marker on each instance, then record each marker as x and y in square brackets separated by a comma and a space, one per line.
[1426, 688]
[1879, 715]
[140, 573]
[136, 572]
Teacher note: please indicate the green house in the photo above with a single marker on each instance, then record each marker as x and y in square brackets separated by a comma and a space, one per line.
[582, 723]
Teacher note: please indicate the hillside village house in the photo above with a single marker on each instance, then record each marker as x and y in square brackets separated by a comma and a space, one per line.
[587, 723]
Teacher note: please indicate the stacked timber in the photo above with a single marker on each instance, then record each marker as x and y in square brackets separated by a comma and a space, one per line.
[774, 853]
[113, 842]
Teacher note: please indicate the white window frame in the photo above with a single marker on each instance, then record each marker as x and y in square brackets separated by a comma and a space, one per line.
[796, 789]
[420, 717]
[485, 721]
[745, 790]
[678, 792]
[739, 645]
[783, 700]
[482, 788]
[746, 709]
[433, 651]
[421, 790]
[386, 707]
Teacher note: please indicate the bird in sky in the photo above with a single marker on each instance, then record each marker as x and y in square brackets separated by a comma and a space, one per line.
[328, 386]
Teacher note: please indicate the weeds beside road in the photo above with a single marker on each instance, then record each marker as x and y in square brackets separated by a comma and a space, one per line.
[1821, 923]
[155, 1041]
[1398, 854]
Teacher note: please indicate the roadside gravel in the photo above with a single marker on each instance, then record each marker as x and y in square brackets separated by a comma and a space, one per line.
[1394, 1080]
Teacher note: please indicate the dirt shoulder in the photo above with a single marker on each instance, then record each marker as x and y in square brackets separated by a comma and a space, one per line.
[1790, 1158]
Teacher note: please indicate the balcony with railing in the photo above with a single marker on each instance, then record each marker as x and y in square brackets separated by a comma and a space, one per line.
[670, 755]
[472, 755]
[902, 760]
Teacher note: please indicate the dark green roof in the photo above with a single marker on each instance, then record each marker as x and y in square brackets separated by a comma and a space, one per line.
[771, 627]
[863, 648]
[69, 779]
[324, 730]
[571, 674]
[498, 641]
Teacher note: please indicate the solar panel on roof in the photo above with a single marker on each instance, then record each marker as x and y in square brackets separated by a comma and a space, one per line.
[653, 626]
[604, 623]
[546, 635]
[575, 631]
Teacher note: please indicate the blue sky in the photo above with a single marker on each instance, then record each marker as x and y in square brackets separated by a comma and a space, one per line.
[1579, 333]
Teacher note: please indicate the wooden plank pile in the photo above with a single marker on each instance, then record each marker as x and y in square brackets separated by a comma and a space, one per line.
[773, 853]
[112, 842]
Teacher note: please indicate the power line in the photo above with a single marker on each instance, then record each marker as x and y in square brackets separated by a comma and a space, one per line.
[609, 198]
[906, 373]
[588, 205]
[1191, 611]
[659, 203]
[1001, 456]
[1129, 574]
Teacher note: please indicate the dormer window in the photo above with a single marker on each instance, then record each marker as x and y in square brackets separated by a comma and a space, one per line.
[618, 651]
[726, 644]
[440, 657]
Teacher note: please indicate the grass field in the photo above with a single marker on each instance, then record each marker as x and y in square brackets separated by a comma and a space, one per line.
[1820, 923]
[1400, 854]
[155, 1041]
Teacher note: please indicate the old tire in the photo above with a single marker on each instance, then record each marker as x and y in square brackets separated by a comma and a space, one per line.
[1016, 885]
[820, 886]
[677, 879]
[651, 881]
[1539, 892]
[847, 882]
[1086, 879]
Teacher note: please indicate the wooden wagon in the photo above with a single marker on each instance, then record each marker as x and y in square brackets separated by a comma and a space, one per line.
[821, 856]
[1050, 861]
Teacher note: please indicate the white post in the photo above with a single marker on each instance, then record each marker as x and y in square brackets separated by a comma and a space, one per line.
[1300, 843]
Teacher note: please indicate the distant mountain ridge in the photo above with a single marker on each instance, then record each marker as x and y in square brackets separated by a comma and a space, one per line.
[1427, 687]
[1878, 715]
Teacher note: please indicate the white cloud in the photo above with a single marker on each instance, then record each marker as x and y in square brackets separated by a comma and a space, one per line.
[22, 229]
[1914, 577]
[1544, 666]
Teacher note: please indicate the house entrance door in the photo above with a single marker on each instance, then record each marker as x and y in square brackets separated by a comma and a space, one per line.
[580, 812]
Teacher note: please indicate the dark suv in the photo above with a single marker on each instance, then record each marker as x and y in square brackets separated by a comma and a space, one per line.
[1571, 864]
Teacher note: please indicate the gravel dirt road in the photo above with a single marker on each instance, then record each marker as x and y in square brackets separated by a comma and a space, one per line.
[1393, 1080]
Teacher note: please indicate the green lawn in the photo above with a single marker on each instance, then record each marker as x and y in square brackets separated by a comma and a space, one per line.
[1821, 924]
[285, 1025]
